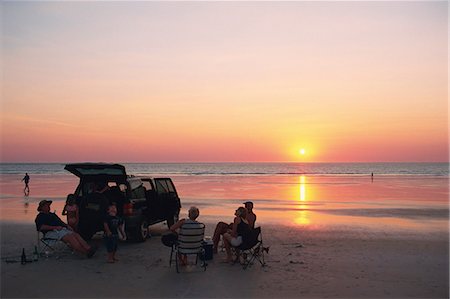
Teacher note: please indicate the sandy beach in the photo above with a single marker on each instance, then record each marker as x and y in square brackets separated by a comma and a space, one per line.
[300, 264]
[329, 237]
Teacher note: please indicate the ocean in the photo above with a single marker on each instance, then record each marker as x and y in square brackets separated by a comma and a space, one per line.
[206, 169]
[410, 197]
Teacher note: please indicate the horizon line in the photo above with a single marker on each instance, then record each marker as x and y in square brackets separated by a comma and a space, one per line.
[220, 162]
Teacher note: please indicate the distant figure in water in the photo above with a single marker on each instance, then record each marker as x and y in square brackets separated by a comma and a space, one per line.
[26, 179]
[371, 176]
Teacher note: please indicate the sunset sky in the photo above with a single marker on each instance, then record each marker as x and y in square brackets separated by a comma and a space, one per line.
[224, 81]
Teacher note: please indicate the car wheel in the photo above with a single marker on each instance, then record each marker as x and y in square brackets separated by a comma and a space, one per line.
[142, 231]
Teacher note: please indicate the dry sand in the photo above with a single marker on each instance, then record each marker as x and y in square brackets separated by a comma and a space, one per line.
[300, 264]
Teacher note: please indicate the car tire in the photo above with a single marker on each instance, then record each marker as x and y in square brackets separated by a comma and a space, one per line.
[141, 232]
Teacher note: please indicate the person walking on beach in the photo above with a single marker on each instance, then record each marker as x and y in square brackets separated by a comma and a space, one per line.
[26, 180]
[112, 226]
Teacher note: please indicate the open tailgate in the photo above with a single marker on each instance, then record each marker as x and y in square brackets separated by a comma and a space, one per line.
[104, 170]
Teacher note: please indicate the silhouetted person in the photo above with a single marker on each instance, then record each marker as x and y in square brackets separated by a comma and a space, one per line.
[251, 217]
[26, 179]
[53, 227]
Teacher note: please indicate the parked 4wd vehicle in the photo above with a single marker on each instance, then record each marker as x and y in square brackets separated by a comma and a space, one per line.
[141, 201]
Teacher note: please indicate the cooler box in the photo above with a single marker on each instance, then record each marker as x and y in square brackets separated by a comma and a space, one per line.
[208, 246]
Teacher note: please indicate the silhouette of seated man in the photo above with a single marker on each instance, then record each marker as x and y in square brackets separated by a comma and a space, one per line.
[53, 227]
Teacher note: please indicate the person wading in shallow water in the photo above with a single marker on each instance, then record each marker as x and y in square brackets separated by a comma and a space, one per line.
[26, 180]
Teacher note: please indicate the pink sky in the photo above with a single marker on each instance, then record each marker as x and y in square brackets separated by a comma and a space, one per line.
[224, 81]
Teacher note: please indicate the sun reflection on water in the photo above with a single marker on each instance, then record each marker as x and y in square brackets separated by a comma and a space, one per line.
[302, 188]
[302, 216]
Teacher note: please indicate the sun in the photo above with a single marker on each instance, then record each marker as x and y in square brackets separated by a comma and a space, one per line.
[302, 151]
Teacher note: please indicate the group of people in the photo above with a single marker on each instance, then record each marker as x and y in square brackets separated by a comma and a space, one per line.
[53, 227]
[235, 234]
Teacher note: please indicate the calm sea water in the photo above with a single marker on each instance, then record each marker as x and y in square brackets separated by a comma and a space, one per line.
[207, 169]
[400, 196]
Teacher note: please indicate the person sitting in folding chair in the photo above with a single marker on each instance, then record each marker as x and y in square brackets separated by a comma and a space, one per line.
[222, 228]
[189, 238]
[252, 249]
[240, 233]
[54, 228]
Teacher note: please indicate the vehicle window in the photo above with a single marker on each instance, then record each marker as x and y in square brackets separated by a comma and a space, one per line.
[161, 186]
[170, 186]
[147, 185]
[164, 186]
[139, 192]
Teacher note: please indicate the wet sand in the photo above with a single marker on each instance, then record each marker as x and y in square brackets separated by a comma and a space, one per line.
[338, 237]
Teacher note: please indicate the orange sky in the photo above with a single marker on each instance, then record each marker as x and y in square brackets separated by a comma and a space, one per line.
[224, 81]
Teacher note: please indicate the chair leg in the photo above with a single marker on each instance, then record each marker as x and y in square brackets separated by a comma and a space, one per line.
[46, 248]
[247, 261]
[170, 260]
[177, 262]
[203, 259]
[262, 261]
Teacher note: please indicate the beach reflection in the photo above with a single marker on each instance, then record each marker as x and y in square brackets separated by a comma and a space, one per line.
[302, 188]
[302, 216]
[307, 202]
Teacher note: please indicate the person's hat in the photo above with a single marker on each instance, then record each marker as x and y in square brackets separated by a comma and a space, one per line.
[248, 202]
[43, 203]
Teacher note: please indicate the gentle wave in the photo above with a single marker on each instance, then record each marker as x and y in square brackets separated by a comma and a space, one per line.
[232, 169]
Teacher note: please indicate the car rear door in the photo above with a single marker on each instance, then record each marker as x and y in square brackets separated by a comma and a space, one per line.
[153, 201]
[168, 197]
[99, 171]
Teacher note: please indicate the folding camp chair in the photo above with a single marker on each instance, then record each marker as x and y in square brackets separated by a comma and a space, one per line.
[47, 246]
[189, 242]
[252, 250]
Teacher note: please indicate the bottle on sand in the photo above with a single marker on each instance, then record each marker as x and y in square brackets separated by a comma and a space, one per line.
[23, 258]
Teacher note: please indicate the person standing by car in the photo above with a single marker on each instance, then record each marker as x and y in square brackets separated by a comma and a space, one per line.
[112, 225]
[71, 210]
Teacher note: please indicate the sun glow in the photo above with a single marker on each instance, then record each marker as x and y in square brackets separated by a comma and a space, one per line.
[302, 151]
